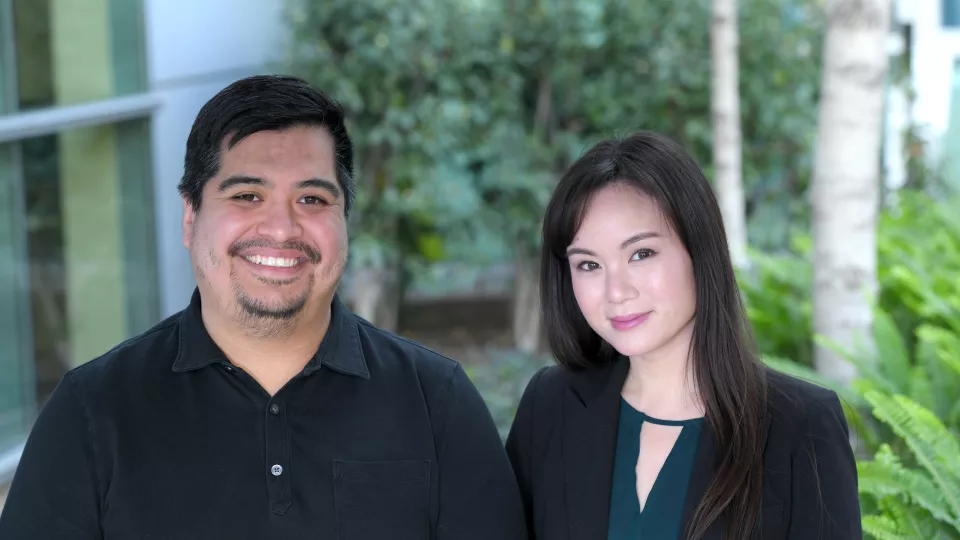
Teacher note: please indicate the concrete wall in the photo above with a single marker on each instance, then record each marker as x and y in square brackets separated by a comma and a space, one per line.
[193, 50]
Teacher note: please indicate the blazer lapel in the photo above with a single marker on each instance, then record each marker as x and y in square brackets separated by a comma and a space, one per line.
[591, 411]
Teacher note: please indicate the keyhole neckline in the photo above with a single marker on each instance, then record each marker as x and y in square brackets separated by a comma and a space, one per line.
[647, 418]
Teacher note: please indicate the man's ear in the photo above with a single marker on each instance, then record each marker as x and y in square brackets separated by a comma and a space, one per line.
[189, 216]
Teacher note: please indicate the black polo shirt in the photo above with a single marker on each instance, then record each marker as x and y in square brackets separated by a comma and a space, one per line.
[163, 438]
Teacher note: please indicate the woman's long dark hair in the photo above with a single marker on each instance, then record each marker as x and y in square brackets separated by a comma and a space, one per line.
[726, 366]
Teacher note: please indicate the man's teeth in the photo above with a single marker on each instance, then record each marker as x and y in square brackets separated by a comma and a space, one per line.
[272, 261]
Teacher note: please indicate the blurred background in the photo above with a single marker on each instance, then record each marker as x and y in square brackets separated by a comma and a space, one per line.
[464, 113]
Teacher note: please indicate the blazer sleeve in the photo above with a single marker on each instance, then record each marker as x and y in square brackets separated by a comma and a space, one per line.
[520, 447]
[824, 499]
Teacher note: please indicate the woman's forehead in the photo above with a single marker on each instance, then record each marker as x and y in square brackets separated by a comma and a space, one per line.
[618, 207]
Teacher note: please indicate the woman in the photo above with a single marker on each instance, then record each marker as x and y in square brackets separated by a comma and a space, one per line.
[660, 421]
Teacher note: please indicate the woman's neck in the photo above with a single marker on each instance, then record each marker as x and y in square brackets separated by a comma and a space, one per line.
[662, 383]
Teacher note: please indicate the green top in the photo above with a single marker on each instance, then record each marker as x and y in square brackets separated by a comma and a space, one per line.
[663, 511]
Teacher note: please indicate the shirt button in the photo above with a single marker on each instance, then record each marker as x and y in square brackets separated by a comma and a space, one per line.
[228, 368]
[274, 408]
[276, 470]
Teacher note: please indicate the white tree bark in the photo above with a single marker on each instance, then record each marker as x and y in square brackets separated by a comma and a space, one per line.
[727, 145]
[846, 181]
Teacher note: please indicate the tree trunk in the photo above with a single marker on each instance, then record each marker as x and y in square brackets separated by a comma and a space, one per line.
[526, 303]
[846, 181]
[725, 106]
[376, 295]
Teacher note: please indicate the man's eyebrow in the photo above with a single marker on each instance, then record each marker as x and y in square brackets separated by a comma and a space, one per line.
[241, 180]
[244, 180]
[321, 183]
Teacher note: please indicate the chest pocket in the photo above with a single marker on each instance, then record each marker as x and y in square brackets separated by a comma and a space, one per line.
[382, 499]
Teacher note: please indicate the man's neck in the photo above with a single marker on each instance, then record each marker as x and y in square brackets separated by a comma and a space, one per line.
[273, 361]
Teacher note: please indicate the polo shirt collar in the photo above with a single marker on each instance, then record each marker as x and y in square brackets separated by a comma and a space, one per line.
[340, 349]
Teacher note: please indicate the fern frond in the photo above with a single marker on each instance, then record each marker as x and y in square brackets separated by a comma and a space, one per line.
[882, 528]
[886, 477]
[920, 388]
[911, 521]
[934, 447]
[946, 344]
[893, 359]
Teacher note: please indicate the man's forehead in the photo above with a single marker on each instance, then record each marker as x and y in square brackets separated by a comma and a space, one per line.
[276, 153]
[283, 140]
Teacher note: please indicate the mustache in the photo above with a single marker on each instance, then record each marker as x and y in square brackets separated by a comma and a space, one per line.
[294, 245]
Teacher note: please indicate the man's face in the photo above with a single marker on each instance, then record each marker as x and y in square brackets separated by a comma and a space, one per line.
[270, 239]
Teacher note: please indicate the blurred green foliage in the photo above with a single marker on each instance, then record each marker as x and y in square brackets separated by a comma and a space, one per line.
[465, 112]
[777, 293]
[918, 500]
[502, 379]
[905, 403]
[918, 261]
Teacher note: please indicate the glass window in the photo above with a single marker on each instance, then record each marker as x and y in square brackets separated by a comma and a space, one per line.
[951, 140]
[75, 51]
[77, 248]
[950, 10]
[81, 241]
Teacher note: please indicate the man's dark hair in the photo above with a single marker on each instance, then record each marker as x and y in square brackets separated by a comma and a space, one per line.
[261, 103]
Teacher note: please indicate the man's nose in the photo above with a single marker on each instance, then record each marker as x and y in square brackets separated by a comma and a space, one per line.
[280, 222]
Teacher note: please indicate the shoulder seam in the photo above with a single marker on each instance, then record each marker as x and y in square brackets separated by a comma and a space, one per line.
[163, 325]
[445, 407]
[817, 403]
[405, 340]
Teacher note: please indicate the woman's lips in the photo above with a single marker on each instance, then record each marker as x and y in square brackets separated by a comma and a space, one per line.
[626, 322]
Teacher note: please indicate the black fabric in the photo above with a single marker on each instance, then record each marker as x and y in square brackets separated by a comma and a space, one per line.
[563, 445]
[163, 438]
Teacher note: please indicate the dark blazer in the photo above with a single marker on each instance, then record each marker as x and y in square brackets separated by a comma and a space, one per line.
[563, 441]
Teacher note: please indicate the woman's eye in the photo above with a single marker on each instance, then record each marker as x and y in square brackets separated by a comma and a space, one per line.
[587, 266]
[641, 254]
[313, 199]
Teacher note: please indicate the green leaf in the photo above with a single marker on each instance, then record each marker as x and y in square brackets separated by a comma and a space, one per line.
[934, 447]
[886, 477]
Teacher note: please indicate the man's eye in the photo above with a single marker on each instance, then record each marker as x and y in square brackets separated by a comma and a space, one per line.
[313, 199]
[247, 197]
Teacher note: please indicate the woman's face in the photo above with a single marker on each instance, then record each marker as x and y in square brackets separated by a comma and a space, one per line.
[632, 276]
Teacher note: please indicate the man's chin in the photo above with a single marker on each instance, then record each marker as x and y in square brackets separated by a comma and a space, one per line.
[272, 306]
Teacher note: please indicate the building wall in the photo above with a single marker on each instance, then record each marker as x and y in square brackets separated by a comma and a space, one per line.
[193, 50]
[96, 100]
[935, 49]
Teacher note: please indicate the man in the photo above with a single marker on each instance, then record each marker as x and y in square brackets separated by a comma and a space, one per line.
[265, 409]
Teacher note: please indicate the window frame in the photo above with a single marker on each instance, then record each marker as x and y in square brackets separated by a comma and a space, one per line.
[15, 329]
[130, 113]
